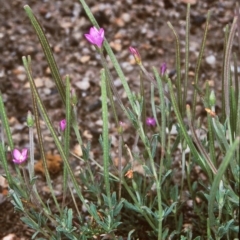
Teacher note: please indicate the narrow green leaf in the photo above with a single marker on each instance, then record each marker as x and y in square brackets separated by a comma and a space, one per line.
[4, 119]
[218, 177]
[227, 66]
[105, 134]
[199, 63]
[47, 51]
[178, 67]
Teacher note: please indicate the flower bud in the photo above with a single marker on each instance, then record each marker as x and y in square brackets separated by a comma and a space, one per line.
[163, 68]
[30, 120]
[62, 124]
[212, 99]
[136, 55]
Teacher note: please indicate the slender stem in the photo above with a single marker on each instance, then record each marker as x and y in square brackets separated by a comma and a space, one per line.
[120, 143]
[185, 88]
[227, 65]
[47, 51]
[142, 92]
[105, 136]
[178, 67]
[199, 64]
[5, 123]
[5, 164]
[66, 137]
[31, 154]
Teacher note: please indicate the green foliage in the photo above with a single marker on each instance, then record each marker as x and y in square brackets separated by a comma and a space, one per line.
[142, 199]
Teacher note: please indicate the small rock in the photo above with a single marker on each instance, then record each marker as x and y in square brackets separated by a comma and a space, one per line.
[84, 58]
[78, 150]
[20, 73]
[189, 1]
[48, 83]
[126, 17]
[127, 67]
[119, 22]
[99, 122]
[83, 85]
[87, 135]
[10, 237]
[22, 77]
[118, 82]
[211, 60]
[47, 91]
[116, 45]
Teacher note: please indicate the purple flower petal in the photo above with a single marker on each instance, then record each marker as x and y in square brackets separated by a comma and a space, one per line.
[20, 157]
[16, 154]
[95, 36]
[62, 124]
[151, 121]
[163, 68]
[24, 153]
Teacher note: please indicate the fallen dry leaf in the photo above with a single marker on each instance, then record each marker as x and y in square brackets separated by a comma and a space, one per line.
[54, 164]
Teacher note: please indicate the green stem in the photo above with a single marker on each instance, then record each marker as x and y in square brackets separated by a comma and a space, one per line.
[105, 136]
[227, 65]
[185, 88]
[5, 123]
[199, 64]
[178, 67]
[47, 51]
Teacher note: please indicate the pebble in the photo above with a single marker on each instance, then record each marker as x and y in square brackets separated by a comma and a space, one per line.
[49, 83]
[20, 73]
[82, 84]
[189, 1]
[47, 91]
[78, 150]
[116, 45]
[10, 237]
[211, 60]
[2, 73]
[127, 67]
[87, 135]
[126, 17]
[117, 82]
[99, 122]
[85, 59]
[22, 77]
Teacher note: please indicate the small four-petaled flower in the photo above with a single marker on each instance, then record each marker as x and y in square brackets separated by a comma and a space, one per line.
[151, 121]
[62, 124]
[95, 36]
[20, 157]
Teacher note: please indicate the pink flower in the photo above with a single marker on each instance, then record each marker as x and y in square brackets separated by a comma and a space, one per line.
[95, 36]
[19, 157]
[163, 68]
[151, 121]
[62, 124]
[135, 54]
